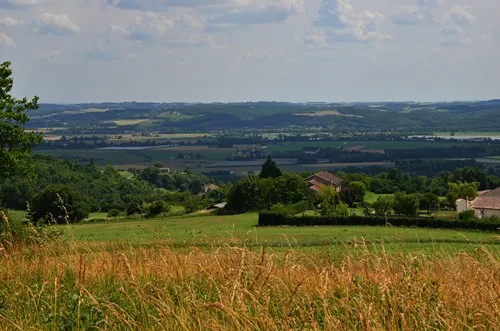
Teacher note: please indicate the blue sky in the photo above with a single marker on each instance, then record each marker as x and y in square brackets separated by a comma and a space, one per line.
[242, 50]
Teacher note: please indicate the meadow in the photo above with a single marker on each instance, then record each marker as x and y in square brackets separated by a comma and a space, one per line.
[210, 272]
[214, 230]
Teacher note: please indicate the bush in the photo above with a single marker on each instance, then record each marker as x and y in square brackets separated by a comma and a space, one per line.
[59, 204]
[156, 208]
[276, 219]
[467, 215]
[134, 208]
[114, 213]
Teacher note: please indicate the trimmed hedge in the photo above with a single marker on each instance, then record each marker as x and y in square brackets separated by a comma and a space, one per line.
[275, 219]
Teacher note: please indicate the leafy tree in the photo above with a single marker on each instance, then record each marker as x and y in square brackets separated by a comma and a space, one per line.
[353, 192]
[15, 143]
[324, 193]
[429, 201]
[270, 169]
[470, 175]
[16, 193]
[158, 164]
[406, 204]
[383, 205]
[156, 208]
[245, 194]
[464, 190]
[196, 186]
[59, 203]
[134, 208]
[333, 206]
[292, 188]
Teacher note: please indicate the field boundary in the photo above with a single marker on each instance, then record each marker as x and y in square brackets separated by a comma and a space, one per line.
[277, 219]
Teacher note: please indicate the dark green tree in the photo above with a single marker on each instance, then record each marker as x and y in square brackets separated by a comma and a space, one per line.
[60, 204]
[270, 169]
[353, 192]
[406, 204]
[245, 194]
[383, 205]
[15, 143]
[429, 201]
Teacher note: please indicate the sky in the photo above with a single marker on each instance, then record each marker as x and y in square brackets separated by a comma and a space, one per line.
[70, 51]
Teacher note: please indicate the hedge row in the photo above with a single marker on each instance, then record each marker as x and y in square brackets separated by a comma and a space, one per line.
[276, 219]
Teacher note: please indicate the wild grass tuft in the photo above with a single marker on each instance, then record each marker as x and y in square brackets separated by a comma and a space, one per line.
[69, 286]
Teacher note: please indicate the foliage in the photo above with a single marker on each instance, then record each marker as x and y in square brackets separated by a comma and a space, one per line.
[59, 204]
[277, 219]
[245, 194]
[467, 215]
[406, 204]
[15, 142]
[114, 213]
[104, 189]
[134, 208]
[253, 193]
[464, 190]
[270, 169]
[174, 180]
[429, 201]
[156, 208]
[383, 205]
[353, 192]
[333, 206]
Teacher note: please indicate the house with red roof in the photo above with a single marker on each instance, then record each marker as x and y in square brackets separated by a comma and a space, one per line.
[322, 179]
[486, 205]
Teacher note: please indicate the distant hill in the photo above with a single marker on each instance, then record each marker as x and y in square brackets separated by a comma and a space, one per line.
[342, 117]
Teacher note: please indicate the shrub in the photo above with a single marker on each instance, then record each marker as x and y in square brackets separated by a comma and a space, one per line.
[156, 208]
[134, 208]
[467, 215]
[60, 204]
[275, 219]
[114, 213]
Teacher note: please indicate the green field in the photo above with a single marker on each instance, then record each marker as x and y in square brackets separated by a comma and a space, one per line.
[295, 146]
[206, 231]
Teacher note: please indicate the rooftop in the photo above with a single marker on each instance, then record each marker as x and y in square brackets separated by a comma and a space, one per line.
[489, 200]
[325, 175]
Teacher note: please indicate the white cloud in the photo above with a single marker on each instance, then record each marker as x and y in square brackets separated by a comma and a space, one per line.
[160, 5]
[410, 15]
[459, 15]
[430, 3]
[10, 22]
[5, 40]
[453, 41]
[338, 21]
[102, 50]
[55, 24]
[51, 56]
[147, 27]
[18, 4]
[451, 30]
[254, 12]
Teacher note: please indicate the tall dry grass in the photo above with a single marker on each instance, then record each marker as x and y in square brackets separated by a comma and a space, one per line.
[60, 286]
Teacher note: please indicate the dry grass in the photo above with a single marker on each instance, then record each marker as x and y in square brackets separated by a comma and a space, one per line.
[60, 286]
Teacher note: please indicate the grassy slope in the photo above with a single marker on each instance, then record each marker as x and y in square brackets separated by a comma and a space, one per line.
[241, 229]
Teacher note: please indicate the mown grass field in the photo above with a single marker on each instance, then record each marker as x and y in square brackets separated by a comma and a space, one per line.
[241, 230]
